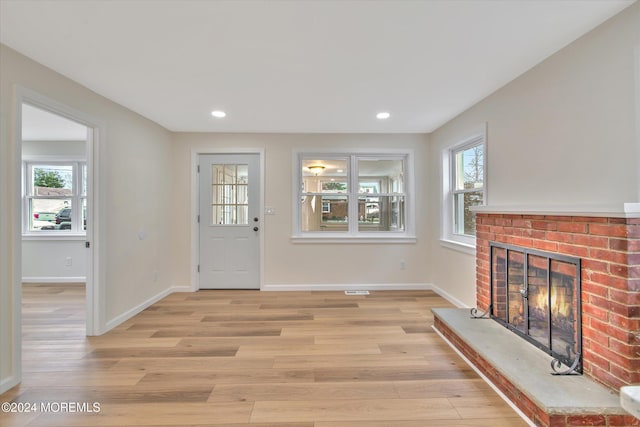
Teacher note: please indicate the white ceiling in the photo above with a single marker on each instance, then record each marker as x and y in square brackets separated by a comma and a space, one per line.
[296, 66]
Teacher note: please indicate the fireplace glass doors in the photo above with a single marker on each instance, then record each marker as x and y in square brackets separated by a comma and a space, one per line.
[537, 295]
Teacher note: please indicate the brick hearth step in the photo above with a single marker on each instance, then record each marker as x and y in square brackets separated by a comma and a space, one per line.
[522, 372]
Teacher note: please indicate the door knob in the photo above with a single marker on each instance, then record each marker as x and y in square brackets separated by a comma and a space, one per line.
[255, 228]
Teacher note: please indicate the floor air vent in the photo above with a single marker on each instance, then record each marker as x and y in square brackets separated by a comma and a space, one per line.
[356, 292]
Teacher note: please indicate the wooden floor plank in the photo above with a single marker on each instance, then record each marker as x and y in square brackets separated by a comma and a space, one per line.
[353, 410]
[250, 359]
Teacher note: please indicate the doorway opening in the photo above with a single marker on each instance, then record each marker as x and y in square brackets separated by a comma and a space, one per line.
[55, 196]
[59, 183]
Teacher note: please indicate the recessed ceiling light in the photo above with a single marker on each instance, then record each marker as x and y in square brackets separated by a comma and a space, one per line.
[218, 113]
[383, 115]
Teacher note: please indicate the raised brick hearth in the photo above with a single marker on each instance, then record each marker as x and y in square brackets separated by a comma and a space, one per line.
[610, 252]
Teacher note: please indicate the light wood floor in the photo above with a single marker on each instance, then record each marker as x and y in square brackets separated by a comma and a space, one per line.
[248, 358]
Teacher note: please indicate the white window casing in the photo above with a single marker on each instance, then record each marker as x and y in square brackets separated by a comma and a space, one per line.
[353, 197]
[458, 194]
[45, 202]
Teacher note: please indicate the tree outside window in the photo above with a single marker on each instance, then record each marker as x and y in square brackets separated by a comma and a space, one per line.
[468, 188]
[55, 197]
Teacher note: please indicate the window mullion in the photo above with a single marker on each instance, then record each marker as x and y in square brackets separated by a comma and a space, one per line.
[352, 173]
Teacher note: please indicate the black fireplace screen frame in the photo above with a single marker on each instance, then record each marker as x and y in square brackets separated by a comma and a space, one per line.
[574, 363]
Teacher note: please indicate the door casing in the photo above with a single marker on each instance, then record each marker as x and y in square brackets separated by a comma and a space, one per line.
[195, 199]
[95, 298]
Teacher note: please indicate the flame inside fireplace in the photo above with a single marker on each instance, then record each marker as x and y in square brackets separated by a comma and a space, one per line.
[560, 306]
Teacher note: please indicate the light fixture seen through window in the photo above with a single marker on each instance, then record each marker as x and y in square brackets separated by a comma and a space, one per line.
[316, 169]
[383, 115]
[218, 114]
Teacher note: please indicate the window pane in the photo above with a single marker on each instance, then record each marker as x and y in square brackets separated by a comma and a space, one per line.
[49, 214]
[229, 194]
[380, 176]
[52, 180]
[469, 168]
[84, 180]
[381, 213]
[324, 176]
[325, 213]
[465, 220]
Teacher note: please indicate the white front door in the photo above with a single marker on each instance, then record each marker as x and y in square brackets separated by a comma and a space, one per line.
[229, 221]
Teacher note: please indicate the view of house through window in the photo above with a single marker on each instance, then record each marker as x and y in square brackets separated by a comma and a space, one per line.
[468, 186]
[352, 194]
[56, 196]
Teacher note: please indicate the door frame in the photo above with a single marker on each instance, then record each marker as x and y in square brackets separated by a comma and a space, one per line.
[95, 301]
[195, 201]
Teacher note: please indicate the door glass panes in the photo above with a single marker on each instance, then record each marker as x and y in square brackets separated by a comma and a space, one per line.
[230, 184]
[564, 308]
[499, 283]
[515, 286]
[538, 298]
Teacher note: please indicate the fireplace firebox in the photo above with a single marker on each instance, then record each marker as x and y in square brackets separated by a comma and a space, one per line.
[536, 294]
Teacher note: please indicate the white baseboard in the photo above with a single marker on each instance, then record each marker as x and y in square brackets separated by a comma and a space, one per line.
[46, 279]
[137, 309]
[8, 383]
[349, 287]
[446, 295]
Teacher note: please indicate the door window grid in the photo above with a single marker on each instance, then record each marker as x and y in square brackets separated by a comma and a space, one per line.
[230, 184]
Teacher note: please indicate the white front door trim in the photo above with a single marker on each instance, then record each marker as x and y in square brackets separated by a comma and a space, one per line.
[195, 228]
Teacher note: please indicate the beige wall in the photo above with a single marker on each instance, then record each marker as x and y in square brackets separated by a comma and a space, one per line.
[135, 165]
[563, 135]
[287, 263]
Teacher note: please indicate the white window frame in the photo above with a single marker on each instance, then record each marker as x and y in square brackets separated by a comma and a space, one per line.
[77, 230]
[353, 235]
[449, 237]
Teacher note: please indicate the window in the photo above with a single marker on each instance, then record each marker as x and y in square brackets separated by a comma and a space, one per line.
[353, 195]
[464, 187]
[55, 197]
[230, 201]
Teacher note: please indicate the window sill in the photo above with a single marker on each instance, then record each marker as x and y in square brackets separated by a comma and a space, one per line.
[458, 246]
[51, 236]
[353, 239]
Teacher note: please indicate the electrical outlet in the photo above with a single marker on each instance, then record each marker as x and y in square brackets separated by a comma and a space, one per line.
[403, 264]
[68, 261]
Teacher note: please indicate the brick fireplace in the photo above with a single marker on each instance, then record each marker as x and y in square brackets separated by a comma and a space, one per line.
[606, 254]
[609, 250]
